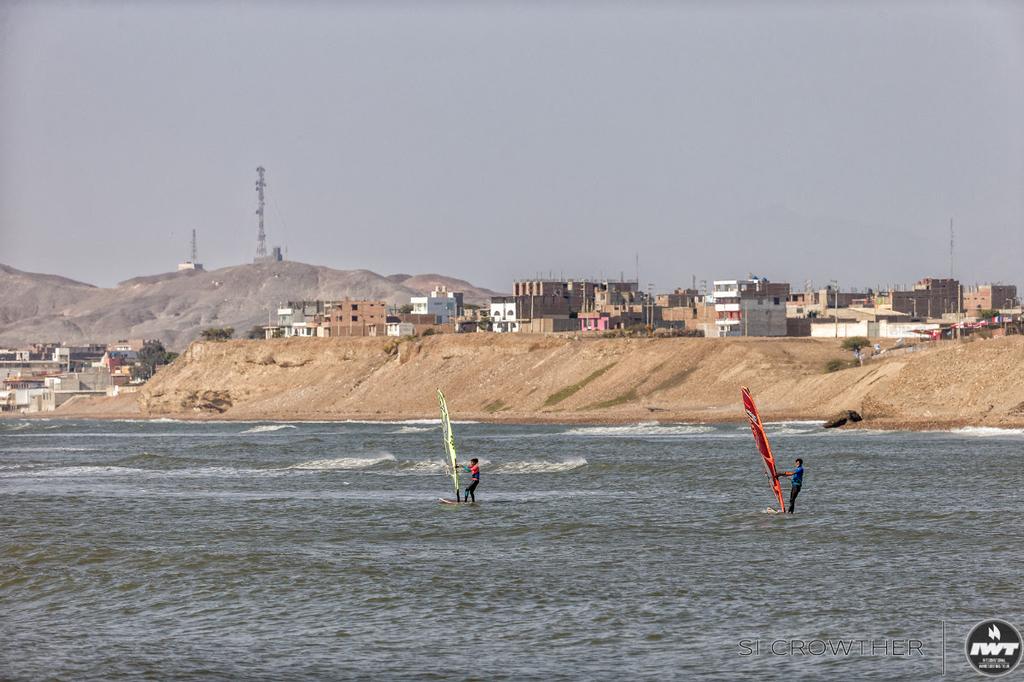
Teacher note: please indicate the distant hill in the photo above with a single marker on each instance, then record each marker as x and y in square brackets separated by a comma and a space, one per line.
[175, 306]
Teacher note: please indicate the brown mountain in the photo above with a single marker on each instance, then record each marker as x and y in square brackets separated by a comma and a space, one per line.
[175, 306]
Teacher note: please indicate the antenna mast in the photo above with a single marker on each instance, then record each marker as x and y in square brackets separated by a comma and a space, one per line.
[261, 238]
[195, 251]
[951, 248]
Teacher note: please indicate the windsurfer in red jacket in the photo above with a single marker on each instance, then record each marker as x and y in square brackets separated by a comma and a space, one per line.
[474, 474]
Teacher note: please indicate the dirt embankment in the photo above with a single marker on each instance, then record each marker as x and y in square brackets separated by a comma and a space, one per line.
[528, 378]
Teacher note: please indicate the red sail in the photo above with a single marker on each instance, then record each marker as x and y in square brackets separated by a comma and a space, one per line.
[762, 444]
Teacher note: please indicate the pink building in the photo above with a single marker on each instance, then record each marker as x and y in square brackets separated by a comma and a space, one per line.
[596, 323]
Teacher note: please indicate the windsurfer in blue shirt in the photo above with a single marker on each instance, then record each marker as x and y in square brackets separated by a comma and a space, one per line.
[796, 481]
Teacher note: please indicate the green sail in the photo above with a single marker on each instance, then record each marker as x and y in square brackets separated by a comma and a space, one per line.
[449, 442]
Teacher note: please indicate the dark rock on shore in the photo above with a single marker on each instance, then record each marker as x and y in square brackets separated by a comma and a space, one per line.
[850, 416]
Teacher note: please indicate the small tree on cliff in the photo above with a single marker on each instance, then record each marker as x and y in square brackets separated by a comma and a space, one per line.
[149, 357]
[217, 333]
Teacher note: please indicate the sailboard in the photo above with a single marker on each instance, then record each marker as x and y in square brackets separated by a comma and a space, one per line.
[761, 439]
[450, 466]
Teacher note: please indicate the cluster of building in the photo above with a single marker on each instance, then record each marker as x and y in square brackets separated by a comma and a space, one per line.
[436, 312]
[753, 306]
[44, 376]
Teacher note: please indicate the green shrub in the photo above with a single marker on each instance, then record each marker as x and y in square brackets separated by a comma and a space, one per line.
[217, 333]
[836, 364]
[855, 343]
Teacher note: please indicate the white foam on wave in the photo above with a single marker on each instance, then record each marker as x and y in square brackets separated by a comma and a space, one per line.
[344, 462]
[158, 420]
[987, 432]
[415, 429]
[536, 466]
[219, 472]
[414, 422]
[791, 431]
[643, 429]
[422, 467]
[385, 422]
[268, 428]
[75, 471]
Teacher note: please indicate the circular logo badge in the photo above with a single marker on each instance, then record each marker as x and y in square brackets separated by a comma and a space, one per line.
[993, 647]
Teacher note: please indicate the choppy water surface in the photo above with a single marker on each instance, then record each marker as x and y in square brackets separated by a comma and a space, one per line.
[171, 550]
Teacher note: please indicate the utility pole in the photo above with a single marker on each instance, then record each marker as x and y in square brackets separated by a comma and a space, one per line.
[956, 327]
[959, 309]
[650, 308]
[261, 236]
[835, 310]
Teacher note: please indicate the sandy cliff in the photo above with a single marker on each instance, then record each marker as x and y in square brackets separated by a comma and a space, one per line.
[522, 377]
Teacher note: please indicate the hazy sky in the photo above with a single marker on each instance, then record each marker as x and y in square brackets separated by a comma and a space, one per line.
[491, 141]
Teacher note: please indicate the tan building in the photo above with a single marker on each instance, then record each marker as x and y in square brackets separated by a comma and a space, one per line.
[930, 298]
[329, 318]
[989, 297]
[820, 302]
[552, 298]
[355, 318]
[680, 298]
[694, 316]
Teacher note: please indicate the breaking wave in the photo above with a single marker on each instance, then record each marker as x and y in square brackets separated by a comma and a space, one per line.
[534, 466]
[422, 467]
[70, 472]
[344, 462]
[415, 429]
[643, 429]
[157, 420]
[268, 428]
[792, 428]
[987, 432]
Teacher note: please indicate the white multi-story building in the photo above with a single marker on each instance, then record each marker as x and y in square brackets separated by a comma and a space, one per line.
[294, 321]
[750, 307]
[503, 314]
[441, 303]
[400, 329]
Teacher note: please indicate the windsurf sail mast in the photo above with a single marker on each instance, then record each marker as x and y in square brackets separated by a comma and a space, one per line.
[761, 439]
[449, 443]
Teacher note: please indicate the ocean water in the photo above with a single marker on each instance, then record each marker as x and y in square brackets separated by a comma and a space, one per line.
[194, 551]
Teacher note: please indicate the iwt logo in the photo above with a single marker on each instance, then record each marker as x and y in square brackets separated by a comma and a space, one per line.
[993, 647]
